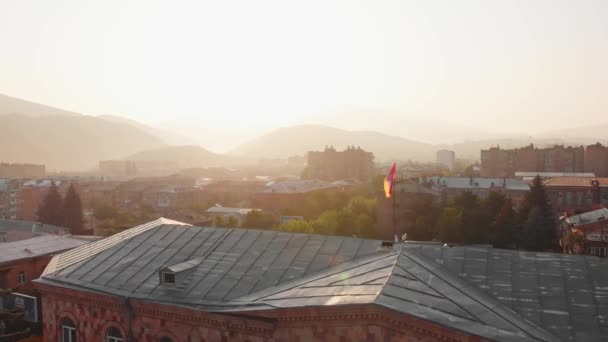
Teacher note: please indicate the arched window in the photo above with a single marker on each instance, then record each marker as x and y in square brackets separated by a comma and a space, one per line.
[68, 330]
[165, 339]
[113, 335]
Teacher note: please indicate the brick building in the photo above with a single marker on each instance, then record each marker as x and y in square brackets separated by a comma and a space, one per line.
[332, 165]
[585, 233]
[165, 281]
[576, 194]
[596, 160]
[496, 162]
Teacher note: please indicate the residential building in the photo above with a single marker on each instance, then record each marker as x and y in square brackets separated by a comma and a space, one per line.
[576, 194]
[173, 196]
[496, 162]
[332, 165]
[451, 187]
[23, 257]
[164, 281]
[446, 158]
[22, 171]
[596, 159]
[585, 233]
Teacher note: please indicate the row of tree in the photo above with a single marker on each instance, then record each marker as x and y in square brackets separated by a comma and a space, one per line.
[493, 220]
[356, 218]
[65, 212]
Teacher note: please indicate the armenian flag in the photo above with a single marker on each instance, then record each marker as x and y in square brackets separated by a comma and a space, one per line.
[389, 180]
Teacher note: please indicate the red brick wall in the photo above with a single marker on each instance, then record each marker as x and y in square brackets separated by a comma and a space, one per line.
[32, 267]
[93, 314]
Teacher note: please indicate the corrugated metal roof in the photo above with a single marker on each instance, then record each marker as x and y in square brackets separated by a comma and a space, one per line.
[28, 226]
[36, 246]
[588, 217]
[478, 183]
[497, 294]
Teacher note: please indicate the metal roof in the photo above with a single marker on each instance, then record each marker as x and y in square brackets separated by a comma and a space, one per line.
[32, 227]
[588, 217]
[36, 246]
[478, 183]
[498, 294]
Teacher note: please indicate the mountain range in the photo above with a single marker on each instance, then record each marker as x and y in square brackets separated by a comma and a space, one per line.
[69, 141]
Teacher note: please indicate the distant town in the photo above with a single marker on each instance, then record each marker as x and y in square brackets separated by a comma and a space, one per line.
[532, 199]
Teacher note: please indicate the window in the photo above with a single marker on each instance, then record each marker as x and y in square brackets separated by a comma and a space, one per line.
[165, 339]
[580, 198]
[21, 277]
[569, 197]
[68, 330]
[113, 335]
[168, 278]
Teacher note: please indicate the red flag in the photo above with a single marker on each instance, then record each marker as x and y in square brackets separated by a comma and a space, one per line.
[389, 180]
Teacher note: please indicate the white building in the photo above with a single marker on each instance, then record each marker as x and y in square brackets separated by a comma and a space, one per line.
[446, 158]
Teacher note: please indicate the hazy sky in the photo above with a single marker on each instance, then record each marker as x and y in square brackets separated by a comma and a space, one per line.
[497, 65]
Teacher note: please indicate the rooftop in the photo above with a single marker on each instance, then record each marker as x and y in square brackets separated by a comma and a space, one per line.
[32, 227]
[576, 181]
[478, 183]
[588, 217]
[228, 210]
[305, 185]
[497, 294]
[37, 246]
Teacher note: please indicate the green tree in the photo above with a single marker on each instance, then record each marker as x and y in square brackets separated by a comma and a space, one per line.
[421, 217]
[327, 223]
[449, 226]
[72, 211]
[296, 226]
[219, 221]
[104, 212]
[50, 211]
[537, 219]
[475, 223]
[232, 222]
[503, 229]
[259, 219]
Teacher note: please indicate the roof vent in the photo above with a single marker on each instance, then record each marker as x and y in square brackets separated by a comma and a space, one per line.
[176, 274]
[387, 244]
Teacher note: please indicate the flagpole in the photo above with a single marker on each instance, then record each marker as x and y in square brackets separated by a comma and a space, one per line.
[394, 220]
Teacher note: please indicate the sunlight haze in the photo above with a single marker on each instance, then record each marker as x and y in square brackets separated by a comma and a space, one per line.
[251, 66]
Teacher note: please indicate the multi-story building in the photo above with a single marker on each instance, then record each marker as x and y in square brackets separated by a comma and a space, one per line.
[596, 160]
[446, 158]
[576, 194]
[22, 171]
[496, 162]
[332, 165]
[165, 281]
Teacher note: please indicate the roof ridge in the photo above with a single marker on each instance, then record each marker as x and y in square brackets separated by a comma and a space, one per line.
[476, 295]
[78, 254]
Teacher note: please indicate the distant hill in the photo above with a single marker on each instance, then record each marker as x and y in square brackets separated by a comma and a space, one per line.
[69, 142]
[297, 140]
[169, 137]
[13, 105]
[185, 156]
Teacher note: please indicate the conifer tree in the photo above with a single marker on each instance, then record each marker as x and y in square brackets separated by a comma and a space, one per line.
[50, 211]
[539, 231]
[72, 211]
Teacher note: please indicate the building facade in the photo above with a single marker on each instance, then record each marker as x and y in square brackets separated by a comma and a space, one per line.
[576, 194]
[585, 233]
[184, 283]
[496, 162]
[446, 158]
[450, 187]
[22, 171]
[332, 165]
